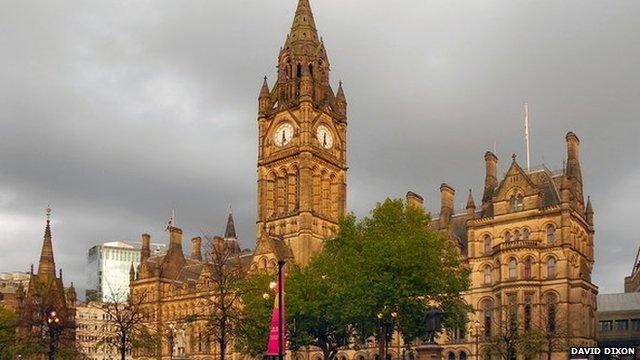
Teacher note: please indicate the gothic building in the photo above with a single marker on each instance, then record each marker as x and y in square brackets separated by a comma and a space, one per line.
[47, 308]
[529, 242]
[529, 245]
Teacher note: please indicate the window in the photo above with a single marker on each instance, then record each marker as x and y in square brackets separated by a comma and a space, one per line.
[551, 268]
[487, 275]
[507, 236]
[451, 356]
[635, 324]
[551, 312]
[527, 311]
[513, 269]
[621, 325]
[516, 235]
[516, 203]
[605, 326]
[463, 356]
[487, 244]
[551, 234]
[488, 308]
[527, 268]
[512, 300]
[526, 234]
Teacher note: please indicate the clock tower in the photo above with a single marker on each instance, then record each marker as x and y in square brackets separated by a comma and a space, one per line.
[302, 146]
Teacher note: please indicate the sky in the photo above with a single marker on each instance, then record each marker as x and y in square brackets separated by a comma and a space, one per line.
[116, 112]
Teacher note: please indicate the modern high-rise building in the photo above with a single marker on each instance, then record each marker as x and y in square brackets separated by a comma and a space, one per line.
[108, 268]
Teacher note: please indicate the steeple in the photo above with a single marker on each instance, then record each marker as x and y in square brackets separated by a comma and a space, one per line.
[471, 206]
[47, 265]
[303, 28]
[230, 232]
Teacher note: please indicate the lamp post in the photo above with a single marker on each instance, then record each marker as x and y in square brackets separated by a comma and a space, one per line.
[477, 327]
[385, 326]
[171, 340]
[53, 328]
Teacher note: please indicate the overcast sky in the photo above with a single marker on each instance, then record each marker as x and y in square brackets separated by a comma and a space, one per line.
[116, 112]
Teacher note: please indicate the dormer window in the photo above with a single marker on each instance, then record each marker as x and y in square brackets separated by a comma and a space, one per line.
[516, 203]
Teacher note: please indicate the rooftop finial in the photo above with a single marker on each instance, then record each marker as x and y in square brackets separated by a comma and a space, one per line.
[48, 212]
[514, 157]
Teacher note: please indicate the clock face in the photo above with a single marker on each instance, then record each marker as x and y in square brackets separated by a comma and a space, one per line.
[323, 134]
[283, 134]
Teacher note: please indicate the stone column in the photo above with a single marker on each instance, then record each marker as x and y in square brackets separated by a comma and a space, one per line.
[429, 352]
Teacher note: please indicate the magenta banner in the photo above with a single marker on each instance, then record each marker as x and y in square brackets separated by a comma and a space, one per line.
[272, 345]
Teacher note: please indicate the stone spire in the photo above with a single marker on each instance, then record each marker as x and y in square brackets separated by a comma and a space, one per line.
[47, 265]
[471, 206]
[303, 28]
[230, 232]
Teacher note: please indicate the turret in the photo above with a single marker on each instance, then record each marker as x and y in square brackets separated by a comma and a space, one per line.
[132, 273]
[589, 212]
[471, 206]
[264, 99]
[447, 195]
[196, 249]
[341, 101]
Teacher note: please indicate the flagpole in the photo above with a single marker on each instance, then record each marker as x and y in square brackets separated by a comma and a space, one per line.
[526, 134]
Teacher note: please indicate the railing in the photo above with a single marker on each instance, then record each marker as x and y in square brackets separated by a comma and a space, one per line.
[514, 244]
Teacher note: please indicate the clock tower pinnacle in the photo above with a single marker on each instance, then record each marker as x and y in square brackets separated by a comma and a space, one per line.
[302, 145]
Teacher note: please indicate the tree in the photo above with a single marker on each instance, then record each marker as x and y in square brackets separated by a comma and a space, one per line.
[395, 269]
[221, 309]
[124, 328]
[376, 276]
[256, 300]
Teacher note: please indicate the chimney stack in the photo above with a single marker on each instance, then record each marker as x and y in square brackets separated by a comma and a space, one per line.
[145, 252]
[414, 199]
[175, 238]
[196, 248]
[491, 175]
[447, 194]
[573, 146]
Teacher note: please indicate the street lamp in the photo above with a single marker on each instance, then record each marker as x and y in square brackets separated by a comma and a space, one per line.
[477, 328]
[171, 339]
[53, 327]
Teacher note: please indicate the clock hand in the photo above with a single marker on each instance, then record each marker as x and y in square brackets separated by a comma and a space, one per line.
[284, 139]
[324, 139]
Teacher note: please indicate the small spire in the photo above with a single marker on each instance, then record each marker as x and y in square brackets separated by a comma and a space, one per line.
[589, 211]
[340, 93]
[470, 203]
[47, 264]
[264, 91]
[230, 232]
[304, 26]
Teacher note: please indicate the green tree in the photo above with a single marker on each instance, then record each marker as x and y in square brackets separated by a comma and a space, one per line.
[256, 301]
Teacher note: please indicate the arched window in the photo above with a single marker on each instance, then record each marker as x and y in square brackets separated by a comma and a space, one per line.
[527, 311]
[299, 71]
[516, 203]
[516, 235]
[507, 236]
[526, 234]
[487, 308]
[527, 268]
[551, 234]
[487, 244]
[451, 356]
[551, 312]
[513, 272]
[487, 274]
[551, 267]
[463, 356]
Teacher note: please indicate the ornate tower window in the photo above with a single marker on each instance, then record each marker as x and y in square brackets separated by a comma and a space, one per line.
[507, 236]
[551, 312]
[487, 275]
[551, 234]
[551, 267]
[526, 234]
[527, 268]
[517, 235]
[487, 307]
[513, 269]
[487, 244]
